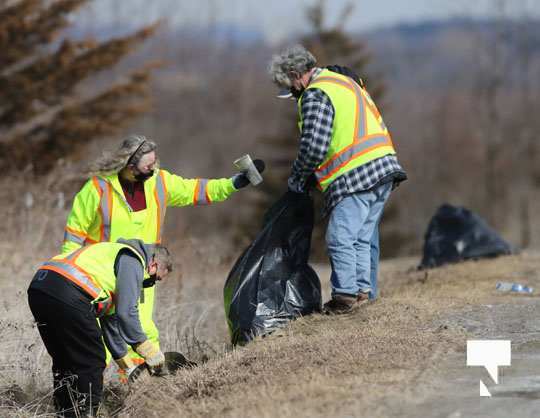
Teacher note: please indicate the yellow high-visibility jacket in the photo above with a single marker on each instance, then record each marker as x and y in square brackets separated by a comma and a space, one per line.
[359, 134]
[101, 213]
[100, 210]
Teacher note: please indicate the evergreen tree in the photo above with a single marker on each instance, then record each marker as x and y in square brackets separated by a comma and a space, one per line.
[333, 46]
[45, 113]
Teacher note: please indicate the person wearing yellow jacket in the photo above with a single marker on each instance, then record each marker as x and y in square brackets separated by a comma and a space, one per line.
[128, 197]
[70, 291]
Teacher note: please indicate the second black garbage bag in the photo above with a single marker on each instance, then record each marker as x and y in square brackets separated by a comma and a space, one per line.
[456, 234]
[272, 282]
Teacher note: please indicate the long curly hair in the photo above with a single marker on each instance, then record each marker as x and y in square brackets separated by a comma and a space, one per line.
[131, 150]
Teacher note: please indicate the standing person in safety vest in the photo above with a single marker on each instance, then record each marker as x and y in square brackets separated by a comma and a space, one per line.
[66, 295]
[346, 148]
[128, 197]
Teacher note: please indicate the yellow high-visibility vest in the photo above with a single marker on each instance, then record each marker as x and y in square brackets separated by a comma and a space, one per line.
[359, 134]
[101, 212]
[92, 269]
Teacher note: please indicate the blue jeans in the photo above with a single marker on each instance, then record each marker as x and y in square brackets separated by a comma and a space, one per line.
[352, 238]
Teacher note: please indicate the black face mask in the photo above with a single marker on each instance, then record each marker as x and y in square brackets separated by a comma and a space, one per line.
[297, 93]
[143, 176]
[151, 281]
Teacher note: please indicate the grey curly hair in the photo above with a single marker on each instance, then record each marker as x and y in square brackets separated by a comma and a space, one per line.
[295, 59]
[163, 257]
[131, 151]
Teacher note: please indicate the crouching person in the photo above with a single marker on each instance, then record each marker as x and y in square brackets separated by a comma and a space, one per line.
[68, 293]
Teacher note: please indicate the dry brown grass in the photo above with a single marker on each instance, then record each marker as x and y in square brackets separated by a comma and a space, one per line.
[323, 366]
[317, 366]
[31, 216]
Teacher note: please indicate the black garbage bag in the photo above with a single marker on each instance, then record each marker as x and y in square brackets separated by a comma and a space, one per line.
[455, 234]
[272, 282]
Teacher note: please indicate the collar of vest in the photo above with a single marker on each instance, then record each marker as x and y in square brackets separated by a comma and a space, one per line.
[323, 72]
[316, 74]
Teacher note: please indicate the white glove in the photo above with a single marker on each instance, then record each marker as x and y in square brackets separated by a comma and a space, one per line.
[153, 356]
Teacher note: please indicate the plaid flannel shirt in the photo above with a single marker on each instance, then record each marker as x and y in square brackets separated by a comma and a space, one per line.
[318, 118]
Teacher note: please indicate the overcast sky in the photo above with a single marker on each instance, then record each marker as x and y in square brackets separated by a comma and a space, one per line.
[277, 19]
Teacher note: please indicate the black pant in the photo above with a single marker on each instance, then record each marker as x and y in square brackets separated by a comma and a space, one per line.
[69, 329]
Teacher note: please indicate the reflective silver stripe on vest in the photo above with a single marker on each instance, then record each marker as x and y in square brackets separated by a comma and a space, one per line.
[359, 145]
[332, 80]
[68, 236]
[160, 187]
[128, 206]
[162, 203]
[105, 209]
[75, 253]
[350, 153]
[201, 199]
[360, 101]
[360, 112]
[82, 279]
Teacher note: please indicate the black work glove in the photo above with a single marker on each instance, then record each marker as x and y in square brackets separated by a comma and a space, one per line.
[241, 180]
[311, 184]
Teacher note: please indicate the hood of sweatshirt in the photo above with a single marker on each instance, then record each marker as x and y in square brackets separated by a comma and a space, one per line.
[146, 250]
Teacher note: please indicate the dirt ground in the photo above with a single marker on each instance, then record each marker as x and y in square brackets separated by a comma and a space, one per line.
[451, 389]
[402, 356]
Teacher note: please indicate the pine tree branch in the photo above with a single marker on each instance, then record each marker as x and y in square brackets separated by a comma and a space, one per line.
[43, 113]
[73, 127]
[50, 79]
[29, 25]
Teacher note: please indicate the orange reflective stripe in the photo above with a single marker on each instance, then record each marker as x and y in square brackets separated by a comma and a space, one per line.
[105, 207]
[160, 195]
[333, 80]
[75, 274]
[158, 216]
[362, 143]
[71, 234]
[72, 257]
[107, 236]
[360, 119]
[89, 240]
[331, 162]
[200, 196]
[75, 232]
[72, 279]
[100, 192]
[78, 268]
[203, 195]
[352, 152]
[196, 192]
[163, 184]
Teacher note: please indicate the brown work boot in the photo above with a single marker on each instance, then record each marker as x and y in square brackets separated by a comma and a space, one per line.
[340, 304]
[362, 298]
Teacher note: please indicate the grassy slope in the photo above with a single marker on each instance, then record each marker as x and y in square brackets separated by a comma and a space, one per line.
[371, 360]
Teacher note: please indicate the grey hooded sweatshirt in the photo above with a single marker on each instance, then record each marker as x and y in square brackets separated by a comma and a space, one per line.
[124, 328]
